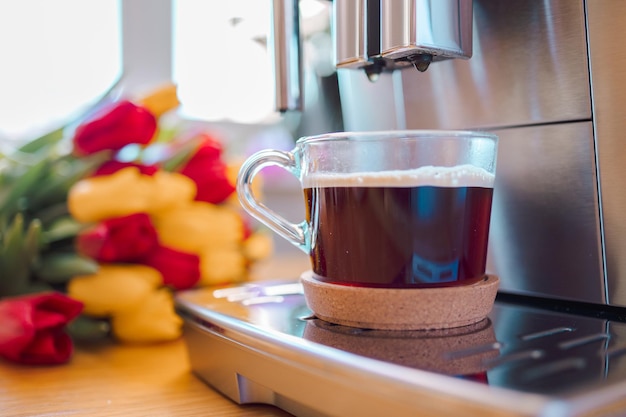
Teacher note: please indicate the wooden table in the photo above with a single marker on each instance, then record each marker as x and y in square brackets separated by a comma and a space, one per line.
[125, 380]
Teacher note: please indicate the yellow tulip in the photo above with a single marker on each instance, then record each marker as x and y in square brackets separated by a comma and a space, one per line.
[161, 100]
[115, 195]
[152, 320]
[114, 288]
[170, 190]
[232, 170]
[258, 246]
[127, 191]
[198, 226]
[222, 266]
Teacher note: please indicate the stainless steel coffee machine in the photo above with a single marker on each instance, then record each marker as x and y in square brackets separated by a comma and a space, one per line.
[549, 77]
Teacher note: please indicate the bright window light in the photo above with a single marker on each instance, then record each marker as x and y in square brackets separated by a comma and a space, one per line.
[57, 56]
[221, 63]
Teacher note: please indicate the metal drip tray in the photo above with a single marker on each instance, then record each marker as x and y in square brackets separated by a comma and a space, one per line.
[258, 343]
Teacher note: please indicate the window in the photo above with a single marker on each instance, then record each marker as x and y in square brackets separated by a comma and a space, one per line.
[57, 56]
[221, 64]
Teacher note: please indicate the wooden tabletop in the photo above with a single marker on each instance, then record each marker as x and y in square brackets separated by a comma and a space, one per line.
[125, 380]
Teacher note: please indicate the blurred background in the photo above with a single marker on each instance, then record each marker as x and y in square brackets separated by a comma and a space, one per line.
[59, 56]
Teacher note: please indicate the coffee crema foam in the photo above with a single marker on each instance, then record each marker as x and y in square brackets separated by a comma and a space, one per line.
[437, 176]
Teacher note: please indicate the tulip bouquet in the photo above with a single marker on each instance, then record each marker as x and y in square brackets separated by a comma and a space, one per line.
[99, 227]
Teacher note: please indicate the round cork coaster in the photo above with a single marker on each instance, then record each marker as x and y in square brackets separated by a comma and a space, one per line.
[400, 309]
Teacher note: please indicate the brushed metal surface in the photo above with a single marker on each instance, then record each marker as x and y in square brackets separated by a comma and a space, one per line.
[607, 28]
[442, 28]
[286, 56]
[530, 70]
[371, 106]
[544, 237]
[529, 66]
[349, 31]
[396, 31]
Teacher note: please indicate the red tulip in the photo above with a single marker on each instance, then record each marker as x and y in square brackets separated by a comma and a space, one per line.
[209, 172]
[180, 270]
[114, 128]
[33, 328]
[121, 239]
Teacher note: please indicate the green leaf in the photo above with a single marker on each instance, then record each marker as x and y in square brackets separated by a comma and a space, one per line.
[45, 141]
[14, 200]
[35, 287]
[62, 228]
[18, 251]
[50, 214]
[88, 328]
[184, 153]
[52, 138]
[32, 242]
[58, 268]
[63, 173]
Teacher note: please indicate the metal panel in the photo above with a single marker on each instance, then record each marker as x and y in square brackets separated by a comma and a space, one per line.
[286, 57]
[350, 27]
[529, 66]
[440, 27]
[371, 106]
[607, 31]
[545, 238]
[529, 69]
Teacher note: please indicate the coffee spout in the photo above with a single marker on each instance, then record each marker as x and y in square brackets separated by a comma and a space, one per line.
[374, 35]
[399, 34]
[420, 62]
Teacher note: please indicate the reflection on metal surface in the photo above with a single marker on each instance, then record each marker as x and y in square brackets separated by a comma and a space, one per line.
[516, 357]
[545, 237]
[544, 371]
[529, 67]
[569, 344]
[430, 350]
[608, 66]
[247, 291]
[546, 333]
[286, 47]
[472, 350]
[350, 35]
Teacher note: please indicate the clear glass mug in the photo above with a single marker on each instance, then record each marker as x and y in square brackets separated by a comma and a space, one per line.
[390, 209]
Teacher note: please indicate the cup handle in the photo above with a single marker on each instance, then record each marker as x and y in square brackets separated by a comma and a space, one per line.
[297, 234]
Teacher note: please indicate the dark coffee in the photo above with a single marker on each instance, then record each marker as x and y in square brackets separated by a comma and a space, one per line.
[421, 228]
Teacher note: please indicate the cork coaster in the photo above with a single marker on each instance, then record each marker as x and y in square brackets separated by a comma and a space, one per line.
[400, 309]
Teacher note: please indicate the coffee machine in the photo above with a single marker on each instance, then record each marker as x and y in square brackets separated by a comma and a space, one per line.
[549, 78]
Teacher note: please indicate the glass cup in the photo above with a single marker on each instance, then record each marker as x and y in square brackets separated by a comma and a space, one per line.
[390, 209]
